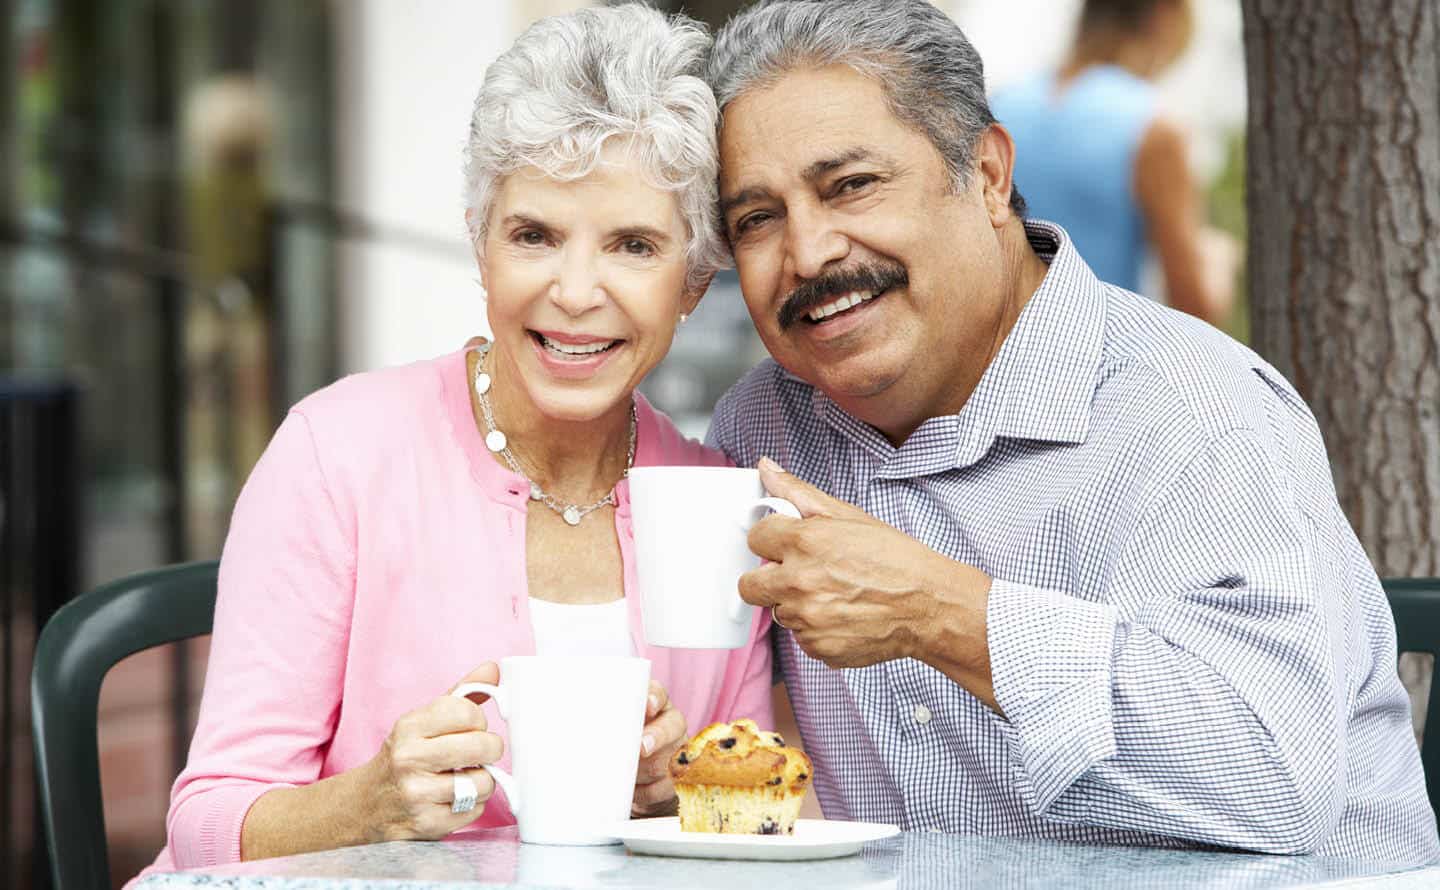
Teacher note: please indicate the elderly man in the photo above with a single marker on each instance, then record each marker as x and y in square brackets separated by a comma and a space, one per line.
[1072, 564]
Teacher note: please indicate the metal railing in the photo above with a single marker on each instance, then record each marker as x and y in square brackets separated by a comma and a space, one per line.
[40, 558]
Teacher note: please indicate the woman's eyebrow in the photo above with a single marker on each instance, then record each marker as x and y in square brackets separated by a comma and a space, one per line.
[524, 219]
[643, 230]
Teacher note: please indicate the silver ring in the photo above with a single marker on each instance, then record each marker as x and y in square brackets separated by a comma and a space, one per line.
[466, 794]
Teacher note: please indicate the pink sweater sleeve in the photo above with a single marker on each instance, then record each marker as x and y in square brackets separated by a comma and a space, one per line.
[277, 660]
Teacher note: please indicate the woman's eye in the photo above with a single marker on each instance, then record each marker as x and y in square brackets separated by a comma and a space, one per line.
[637, 247]
[530, 238]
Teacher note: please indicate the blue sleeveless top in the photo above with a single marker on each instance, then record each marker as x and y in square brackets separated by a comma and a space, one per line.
[1075, 161]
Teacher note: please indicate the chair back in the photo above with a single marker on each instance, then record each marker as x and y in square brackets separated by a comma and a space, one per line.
[76, 649]
[1415, 603]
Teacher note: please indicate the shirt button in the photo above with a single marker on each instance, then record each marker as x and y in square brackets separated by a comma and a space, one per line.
[921, 714]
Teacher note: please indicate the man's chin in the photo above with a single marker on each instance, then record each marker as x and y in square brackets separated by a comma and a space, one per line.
[850, 382]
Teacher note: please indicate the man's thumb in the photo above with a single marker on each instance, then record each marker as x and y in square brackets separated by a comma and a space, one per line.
[808, 499]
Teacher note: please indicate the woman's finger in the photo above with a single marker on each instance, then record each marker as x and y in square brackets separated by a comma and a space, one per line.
[658, 701]
[456, 749]
[489, 672]
[662, 733]
[650, 796]
[440, 787]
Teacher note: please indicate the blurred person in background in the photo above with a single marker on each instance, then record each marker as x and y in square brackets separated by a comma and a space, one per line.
[393, 541]
[1096, 153]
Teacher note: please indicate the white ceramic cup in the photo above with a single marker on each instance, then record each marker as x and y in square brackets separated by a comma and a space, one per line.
[691, 525]
[574, 725]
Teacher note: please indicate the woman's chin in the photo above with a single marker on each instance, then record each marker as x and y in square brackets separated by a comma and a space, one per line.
[582, 404]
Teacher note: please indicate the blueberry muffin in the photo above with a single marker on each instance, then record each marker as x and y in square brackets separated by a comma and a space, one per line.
[734, 778]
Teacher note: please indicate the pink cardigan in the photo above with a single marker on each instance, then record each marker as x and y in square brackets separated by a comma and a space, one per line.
[376, 556]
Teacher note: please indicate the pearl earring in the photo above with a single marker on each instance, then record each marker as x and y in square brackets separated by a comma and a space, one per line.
[684, 317]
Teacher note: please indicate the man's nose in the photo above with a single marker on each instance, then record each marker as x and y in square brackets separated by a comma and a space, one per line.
[813, 244]
[577, 287]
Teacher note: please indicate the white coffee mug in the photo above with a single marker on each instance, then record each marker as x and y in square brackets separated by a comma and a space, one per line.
[574, 725]
[691, 525]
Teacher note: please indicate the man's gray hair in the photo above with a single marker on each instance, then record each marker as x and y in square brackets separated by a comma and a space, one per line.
[572, 83]
[933, 78]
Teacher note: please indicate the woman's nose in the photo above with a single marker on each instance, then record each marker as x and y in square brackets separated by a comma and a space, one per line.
[577, 287]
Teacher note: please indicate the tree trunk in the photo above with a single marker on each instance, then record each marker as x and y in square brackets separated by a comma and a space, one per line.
[1344, 260]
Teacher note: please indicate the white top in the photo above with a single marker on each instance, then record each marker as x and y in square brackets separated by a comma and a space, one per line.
[581, 628]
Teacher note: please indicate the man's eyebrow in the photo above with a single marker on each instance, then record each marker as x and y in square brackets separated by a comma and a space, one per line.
[835, 162]
[744, 196]
[811, 173]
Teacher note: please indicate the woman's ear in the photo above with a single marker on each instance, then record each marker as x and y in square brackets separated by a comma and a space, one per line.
[693, 295]
[472, 232]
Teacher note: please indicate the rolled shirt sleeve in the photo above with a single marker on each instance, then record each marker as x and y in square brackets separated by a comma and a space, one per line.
[1203, 698]
[1051, 668]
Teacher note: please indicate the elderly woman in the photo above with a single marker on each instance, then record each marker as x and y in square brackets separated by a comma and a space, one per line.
[407, 528]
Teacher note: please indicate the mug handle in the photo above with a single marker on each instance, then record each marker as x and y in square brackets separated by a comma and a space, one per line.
[502, 778]
[738, 607]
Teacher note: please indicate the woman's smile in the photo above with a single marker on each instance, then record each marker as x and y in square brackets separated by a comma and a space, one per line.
[574, 356]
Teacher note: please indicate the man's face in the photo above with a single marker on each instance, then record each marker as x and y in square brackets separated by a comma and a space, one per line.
[865, 274]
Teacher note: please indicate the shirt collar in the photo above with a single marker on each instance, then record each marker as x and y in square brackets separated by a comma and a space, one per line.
[1039, 386]
[1043, 379]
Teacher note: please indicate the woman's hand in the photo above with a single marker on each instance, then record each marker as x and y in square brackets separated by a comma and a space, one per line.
[413, 774]
[664, 733]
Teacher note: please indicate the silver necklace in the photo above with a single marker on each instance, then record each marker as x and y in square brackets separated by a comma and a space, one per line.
[496, 441]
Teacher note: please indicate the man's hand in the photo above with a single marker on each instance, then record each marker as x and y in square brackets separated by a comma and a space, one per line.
[855, 591]
[663, 735]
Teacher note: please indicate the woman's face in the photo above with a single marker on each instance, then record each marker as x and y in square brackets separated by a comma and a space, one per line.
[586, 282]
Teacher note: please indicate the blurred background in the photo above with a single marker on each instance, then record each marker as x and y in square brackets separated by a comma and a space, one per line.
[209, 208]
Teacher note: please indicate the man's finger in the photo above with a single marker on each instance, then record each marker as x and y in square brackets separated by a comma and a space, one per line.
[759, 587]
[775, 537]
[810, 500]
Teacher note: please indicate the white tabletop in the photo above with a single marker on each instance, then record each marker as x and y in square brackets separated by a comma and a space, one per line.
[912, 860]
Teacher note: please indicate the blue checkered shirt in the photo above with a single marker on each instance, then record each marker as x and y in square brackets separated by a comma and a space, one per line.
[1187, 641]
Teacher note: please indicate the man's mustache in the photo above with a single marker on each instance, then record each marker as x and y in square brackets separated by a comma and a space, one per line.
[868, 279]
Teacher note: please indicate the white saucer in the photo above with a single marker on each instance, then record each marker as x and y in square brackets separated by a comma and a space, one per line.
[813, 839]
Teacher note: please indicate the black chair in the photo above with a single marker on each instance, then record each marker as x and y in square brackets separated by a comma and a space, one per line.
[76, 649]
[1416, 605]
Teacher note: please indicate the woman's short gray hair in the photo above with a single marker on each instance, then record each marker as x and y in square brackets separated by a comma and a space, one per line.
[571, 83]
[933, 78]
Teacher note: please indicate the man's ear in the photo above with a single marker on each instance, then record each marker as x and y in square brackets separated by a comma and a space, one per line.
[693, 295]
[995, 165]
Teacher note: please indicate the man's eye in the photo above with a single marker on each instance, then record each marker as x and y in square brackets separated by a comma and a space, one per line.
[749, 222]
[854, 183]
